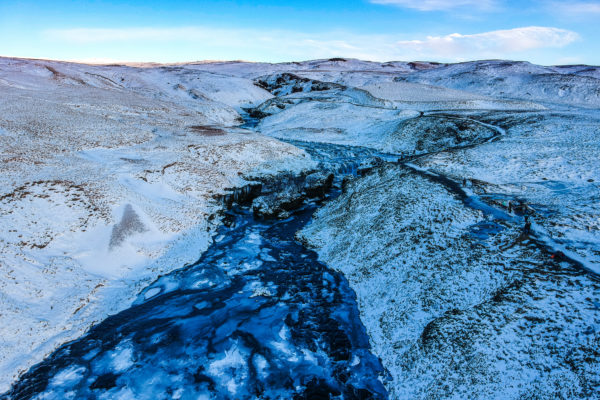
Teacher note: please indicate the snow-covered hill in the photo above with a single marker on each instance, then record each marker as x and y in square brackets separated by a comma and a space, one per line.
[111, 176]
[575, 85]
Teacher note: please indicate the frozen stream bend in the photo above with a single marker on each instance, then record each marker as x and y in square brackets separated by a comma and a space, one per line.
[257, 315]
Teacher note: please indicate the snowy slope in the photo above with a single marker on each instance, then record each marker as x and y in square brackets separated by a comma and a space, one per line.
[453, 311]
[520, 80]
[110, 177]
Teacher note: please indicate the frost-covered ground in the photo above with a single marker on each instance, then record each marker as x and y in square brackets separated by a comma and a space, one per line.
[110, 175]
[464, 302]
[459, 304]
[549, 160]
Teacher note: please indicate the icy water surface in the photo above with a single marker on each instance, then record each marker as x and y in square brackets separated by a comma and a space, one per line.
[256, 317]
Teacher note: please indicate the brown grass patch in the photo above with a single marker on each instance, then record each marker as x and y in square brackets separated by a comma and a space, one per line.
[206, 130]
[56, 75]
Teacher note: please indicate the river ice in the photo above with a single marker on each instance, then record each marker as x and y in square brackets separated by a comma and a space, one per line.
[256, 317]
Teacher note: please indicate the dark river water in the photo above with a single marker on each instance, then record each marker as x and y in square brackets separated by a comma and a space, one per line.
[258, 316]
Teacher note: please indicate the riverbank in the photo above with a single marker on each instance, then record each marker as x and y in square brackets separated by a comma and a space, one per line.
[256, 315]
[113, 182]
[118, 175]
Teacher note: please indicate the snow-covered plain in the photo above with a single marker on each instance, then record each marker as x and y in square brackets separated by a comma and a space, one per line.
[456, 304]
[110, 175]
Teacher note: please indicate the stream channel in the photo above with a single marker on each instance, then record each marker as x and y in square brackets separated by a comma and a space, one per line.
[257, 316]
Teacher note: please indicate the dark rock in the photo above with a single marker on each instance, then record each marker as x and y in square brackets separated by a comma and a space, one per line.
[256, 113]
[369, 165]
[106, 381]
[317, 184]
[346, 181]
[278, 205]
[285, 83]
[242, 195]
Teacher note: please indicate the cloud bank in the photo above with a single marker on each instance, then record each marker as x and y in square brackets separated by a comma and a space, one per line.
[494, 44]
[295, 45]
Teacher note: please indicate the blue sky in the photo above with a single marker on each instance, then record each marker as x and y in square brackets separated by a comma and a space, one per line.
[541, 31]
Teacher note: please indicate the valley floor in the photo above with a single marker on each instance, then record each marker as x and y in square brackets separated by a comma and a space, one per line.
[474, 260]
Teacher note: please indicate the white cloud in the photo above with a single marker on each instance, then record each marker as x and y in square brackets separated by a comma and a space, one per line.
[494, 44]
[287, 45]
[436, 5]
[91, 35]
[589, 9]
[284, 45]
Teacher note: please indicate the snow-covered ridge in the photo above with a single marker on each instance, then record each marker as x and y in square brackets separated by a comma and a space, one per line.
[456, 303]
[574, 85]
[111, 175]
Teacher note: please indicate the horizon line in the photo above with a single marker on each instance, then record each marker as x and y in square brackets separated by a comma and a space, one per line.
[142, 64]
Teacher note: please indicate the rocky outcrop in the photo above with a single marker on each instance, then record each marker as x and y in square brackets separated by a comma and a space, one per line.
[287, 83]
[290, 193]
[441, 132]
[278, 205]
